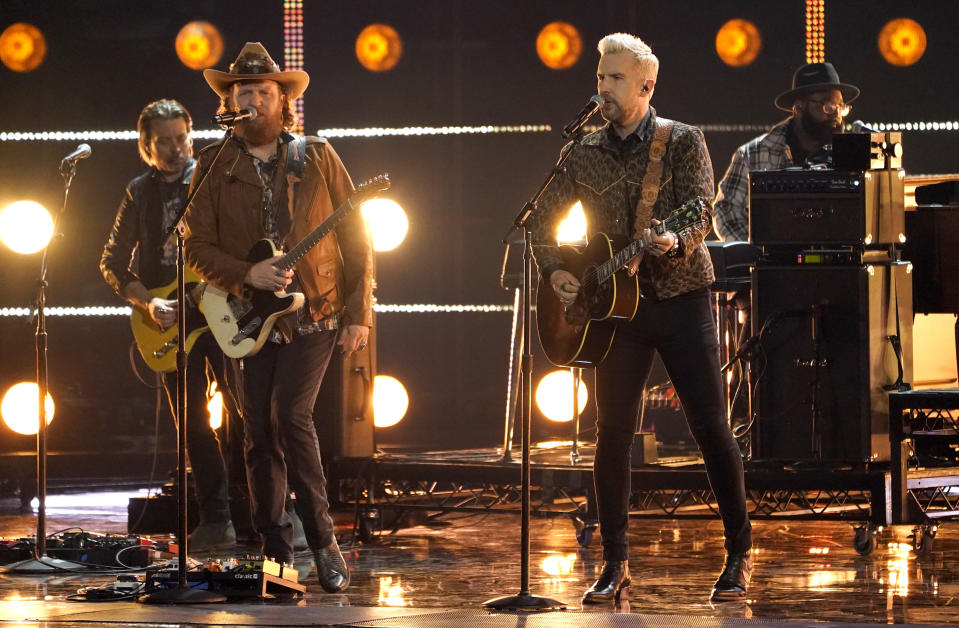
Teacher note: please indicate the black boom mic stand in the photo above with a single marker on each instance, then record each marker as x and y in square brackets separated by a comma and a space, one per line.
[183, 593]
[525, 601]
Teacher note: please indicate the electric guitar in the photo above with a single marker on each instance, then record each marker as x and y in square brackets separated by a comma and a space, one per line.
[581, 334]
[158, 346]
[242, 325]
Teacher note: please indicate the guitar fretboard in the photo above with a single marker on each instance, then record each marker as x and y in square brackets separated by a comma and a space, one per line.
[307, 243]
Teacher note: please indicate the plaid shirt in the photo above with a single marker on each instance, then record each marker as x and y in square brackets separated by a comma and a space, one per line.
[731, 205]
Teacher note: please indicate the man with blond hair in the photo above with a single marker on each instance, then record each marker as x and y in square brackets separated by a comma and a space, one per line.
[630, 175]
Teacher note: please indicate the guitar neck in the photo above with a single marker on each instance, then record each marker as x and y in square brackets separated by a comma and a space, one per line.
[311, 240]
[608, 268]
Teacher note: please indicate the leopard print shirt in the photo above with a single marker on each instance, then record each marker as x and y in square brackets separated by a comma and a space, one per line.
[607, 179]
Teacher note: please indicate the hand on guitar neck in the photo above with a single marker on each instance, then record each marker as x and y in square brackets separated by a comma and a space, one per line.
[265, 276]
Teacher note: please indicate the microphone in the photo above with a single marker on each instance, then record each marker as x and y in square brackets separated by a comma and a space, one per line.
[595, 102]
[858, 126]
[232, 117]
[82, 152]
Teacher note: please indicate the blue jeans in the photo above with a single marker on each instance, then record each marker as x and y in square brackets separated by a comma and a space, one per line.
[682, 331]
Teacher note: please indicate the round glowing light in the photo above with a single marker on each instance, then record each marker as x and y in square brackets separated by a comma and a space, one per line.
[214, 406]
[554, 396]
[19, 408]
[556, 565]
[379, 47]
[25, 226]
[573, 228]
[22, 47]
[387, 223]
[199, 45]
[738, 42]
[390, 401]
[902, 41]
[559, 45]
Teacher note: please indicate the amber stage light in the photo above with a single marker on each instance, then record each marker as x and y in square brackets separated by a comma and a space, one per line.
[199, 45]
[738, 42]
[22, 47]
[20, 408]
[559, 45]
[379, 47]
[902, 41]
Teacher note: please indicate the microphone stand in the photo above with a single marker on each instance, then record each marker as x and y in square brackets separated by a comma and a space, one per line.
[525, 601]
[183, 593]
[41, 563]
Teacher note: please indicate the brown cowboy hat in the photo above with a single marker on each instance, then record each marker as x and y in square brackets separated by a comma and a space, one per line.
[254, 63]
[815, 77]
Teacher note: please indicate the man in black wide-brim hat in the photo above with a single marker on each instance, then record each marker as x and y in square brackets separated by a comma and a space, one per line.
[818, 102]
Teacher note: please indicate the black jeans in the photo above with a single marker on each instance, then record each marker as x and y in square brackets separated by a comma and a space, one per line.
[203, 448]
[682, 331]
[280, 384]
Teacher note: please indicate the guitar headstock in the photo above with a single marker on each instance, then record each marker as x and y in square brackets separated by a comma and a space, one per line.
[371, 188]
[687, 215]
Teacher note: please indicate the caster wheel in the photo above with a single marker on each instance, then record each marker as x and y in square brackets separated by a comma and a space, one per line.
[369, 523]
[864, 541]
[923, 539]
[584, 531]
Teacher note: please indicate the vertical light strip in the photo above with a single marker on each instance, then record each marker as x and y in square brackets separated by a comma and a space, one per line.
[815, 31]
[293, 48]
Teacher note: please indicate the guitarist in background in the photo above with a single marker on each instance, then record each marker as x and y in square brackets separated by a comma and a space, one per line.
[629, 175]
[268, 183]
[151, 203]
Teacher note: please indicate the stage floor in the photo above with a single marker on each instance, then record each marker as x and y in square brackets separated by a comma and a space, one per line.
[439, 574]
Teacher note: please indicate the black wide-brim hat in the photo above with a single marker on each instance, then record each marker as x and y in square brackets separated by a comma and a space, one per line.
[255, 64]
[815, 77]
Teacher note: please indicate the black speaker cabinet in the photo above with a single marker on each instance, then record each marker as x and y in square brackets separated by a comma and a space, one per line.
[343, 413]
[825, 356]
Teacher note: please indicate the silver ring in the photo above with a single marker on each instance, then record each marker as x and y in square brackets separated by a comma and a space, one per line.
[362, 345]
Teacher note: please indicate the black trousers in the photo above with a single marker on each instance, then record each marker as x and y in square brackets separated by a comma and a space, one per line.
[203, 448]
[280, 385]
[683, 332]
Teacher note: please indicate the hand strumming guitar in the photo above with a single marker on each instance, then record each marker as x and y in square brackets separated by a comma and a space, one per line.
[265, 276]
[565, 285]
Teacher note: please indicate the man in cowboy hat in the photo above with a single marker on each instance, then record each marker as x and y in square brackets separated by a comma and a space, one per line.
[268, 183]
[818, 102]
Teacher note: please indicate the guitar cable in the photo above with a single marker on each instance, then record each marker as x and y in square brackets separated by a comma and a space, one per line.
[157, 405]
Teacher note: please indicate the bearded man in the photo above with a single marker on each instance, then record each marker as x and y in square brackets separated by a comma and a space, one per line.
[818, 101]
[268, 183]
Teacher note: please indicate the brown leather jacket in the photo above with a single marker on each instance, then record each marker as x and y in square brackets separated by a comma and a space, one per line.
[223, 223]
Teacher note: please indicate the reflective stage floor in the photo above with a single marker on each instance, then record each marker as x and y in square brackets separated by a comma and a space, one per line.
[439, 574]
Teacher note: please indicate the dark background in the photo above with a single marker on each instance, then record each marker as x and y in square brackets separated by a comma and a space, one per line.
[467, 63]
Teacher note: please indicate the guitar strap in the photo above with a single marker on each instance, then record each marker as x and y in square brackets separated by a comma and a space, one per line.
[653, 176]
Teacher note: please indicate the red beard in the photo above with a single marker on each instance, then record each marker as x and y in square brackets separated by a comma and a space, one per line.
[261, 130]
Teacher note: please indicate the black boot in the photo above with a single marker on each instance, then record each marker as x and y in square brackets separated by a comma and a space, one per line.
[611, 582]
[734, 580]
[331, 569]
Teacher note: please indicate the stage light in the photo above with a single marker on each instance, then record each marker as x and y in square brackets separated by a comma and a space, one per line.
[556, 565]
[390, 401]
[559, 45]
[554, 396]
[214, 406]
[19, 408]
[391, 593]
[379, 47]
[22, 47]
[815, 31]
[738, 42]
[199, 45]
[572, 229]
[25, 227]
[902, 41]
[387, 223]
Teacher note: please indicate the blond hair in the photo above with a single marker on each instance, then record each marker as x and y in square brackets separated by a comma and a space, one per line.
[624, 42]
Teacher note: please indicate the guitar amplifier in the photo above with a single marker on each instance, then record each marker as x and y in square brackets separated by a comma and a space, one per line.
[826, 207]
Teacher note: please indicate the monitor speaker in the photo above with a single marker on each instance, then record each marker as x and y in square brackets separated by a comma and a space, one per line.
[827, 358]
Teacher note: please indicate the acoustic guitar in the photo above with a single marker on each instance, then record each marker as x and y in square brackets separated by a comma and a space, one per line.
[242, 325]
[581, 334]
